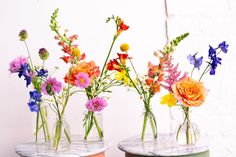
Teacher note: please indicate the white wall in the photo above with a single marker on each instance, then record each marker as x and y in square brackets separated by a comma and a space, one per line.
[209, 22]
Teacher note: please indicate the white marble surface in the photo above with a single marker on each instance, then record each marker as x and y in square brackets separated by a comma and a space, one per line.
[78, 148]
[165, 145]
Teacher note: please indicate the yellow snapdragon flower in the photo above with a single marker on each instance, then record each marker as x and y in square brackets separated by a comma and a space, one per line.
[121, 76]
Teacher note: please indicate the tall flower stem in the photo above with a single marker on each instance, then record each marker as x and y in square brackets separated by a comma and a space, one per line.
[31, 63]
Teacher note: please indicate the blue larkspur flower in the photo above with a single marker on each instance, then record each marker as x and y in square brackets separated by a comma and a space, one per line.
[34, 101]
[42, 73]
[197, 62]
[223, 46]
[23, 70]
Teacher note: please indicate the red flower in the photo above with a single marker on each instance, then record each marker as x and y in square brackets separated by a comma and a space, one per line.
[122, 58]
[114, 65]
[121, 27]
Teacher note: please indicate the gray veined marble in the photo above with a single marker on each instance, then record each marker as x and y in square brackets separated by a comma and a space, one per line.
[165, 145]
[78, 148]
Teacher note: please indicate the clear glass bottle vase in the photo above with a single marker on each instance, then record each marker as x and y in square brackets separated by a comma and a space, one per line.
[93, 126]
[61, 134]
[187, 132]
[149, 127]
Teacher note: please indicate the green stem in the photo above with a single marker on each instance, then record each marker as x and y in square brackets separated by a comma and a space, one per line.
[88, 126]
[153, 125]
[44, 131]
[67, 99]
[144, 125]
[31, 63]
[46, 123]
[37, 127]
[98, 128]
[204, 72]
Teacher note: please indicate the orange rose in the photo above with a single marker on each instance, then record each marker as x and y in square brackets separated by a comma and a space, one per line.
[189, 92]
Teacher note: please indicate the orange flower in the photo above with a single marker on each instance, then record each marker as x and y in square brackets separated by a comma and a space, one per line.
[189, 92]
[121, 26]
[86, 67]
[152, 70]
[122, 58]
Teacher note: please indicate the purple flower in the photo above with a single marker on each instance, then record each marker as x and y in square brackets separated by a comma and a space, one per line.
[96, 104]
[223, 46]
[82, 80]
[17, 63]
[42, 73]
[34, 102]
[197, 62]
[51, 86]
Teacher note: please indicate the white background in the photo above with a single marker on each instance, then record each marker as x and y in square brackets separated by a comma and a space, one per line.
[208, 22]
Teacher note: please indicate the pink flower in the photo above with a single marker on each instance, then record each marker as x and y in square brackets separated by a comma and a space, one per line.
[82, 80]
[51, 86]
[96, 104]
[16, 64]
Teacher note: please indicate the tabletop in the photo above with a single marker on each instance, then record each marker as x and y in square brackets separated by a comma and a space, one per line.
[164, 146]
[78, 148]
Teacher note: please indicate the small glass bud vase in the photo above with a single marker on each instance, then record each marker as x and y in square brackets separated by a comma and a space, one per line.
[93, 126]
[61, 134]
[188, 133]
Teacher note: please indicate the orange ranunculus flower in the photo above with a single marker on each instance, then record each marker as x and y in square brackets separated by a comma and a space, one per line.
[189, 92]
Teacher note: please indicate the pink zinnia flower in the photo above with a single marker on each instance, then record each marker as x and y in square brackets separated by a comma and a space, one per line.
[16, 64]
[96, 104]
[82, 80]
[51, 86]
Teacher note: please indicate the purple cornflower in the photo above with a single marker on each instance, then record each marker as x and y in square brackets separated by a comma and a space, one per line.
[51, 86]
[42, 73]
[96, 104]
[197, 62]
[34, 102]
[82, 80]
[17, 64]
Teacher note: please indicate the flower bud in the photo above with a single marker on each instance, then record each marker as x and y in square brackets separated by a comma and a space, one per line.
[124, 47]
[23, 35]
[43, 54]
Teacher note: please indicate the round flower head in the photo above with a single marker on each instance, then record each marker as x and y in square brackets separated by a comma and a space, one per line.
[17, 64]
[23, 35]
[51, 86]
[43, 54]
[82, 80]
[189, 92]
[96, 104]
[124, 47]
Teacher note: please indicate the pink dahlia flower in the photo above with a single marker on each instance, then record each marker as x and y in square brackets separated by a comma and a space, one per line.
[82, 80]
[96, 104]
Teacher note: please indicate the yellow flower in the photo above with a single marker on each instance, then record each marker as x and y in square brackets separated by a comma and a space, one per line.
[168, 99]
[121, 76]
[76, 52]
[124, 47]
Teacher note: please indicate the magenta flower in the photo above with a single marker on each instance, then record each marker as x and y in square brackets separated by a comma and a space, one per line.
[17, 63]
[51, 86]
[82, 80]
[96, 104]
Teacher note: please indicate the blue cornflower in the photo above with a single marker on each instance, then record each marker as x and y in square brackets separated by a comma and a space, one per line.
[223, 46]
[42, 73]
[34, 102]
[197, 62]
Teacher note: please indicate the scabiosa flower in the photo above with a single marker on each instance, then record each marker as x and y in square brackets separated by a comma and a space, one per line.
[23, 35]
[34, 102]
[16, 64]
[51, 86]
[42, 73]
[197, 62]
[43, 54]
[82, 80]
[96, 104]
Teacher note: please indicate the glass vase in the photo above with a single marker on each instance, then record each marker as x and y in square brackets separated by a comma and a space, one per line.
[93, 126]
[42, 134]
[187, 133]
[149, 127]
[61, 134]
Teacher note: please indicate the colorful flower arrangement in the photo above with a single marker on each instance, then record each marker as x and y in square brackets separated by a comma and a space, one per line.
[186, 92]
[86, 74]
[146, 85]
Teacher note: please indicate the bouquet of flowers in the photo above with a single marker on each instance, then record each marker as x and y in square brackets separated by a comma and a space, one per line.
[86, 75]
[187, 92]
[147, 85]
